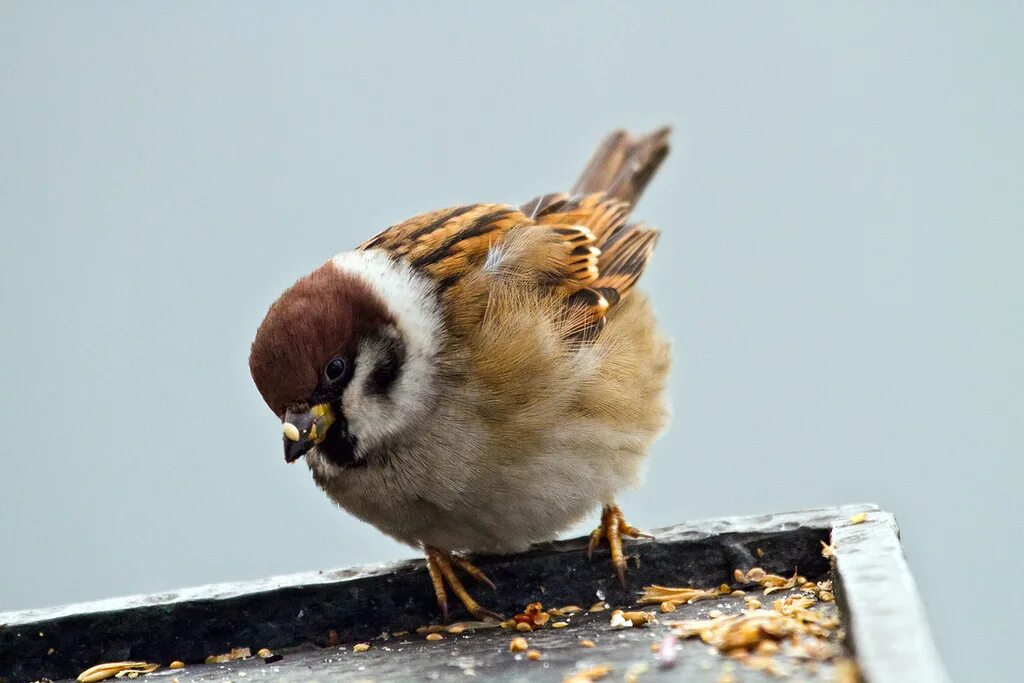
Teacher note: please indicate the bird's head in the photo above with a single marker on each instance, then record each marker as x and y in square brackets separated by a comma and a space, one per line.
[345, 357]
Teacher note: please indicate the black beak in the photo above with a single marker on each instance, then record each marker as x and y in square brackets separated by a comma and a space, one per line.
[305, 429]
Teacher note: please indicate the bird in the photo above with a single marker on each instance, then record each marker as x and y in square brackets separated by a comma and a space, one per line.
[479, 378]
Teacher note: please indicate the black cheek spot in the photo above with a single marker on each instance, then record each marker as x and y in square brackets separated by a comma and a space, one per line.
[383, 376]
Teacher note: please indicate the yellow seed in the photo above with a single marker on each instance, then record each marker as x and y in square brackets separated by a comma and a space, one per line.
[655, 647]
[756, 574]
[177, 664]
[291, 432]
[753, 603]
[724, 589]
[559, 624]
[587, 643]
[737, 594]
[598, 607]
[456, 630]
[518, 645]
[264, 652]
[667, 606]
[639, 618]
[859, 518]
[435, 636]
[826, 596]
[533, 655]
[570, 609]
[715, 613]
[360, 647]
[523, 627]
[760, 553]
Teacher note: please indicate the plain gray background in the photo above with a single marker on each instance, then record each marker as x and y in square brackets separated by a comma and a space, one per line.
[840, 267]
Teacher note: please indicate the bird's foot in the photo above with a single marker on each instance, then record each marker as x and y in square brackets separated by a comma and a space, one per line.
[441, 565]
[613, 527]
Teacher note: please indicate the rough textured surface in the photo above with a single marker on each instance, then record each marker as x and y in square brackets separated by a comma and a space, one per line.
[485, 655]
[359, 605]
[879, 598]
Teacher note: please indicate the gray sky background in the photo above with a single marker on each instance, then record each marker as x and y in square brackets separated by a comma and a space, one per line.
[840, 266]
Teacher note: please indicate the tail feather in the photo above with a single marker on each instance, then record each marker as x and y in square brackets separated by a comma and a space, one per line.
[622, 165]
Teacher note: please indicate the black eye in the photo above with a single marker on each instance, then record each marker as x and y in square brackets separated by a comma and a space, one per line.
[335, 369]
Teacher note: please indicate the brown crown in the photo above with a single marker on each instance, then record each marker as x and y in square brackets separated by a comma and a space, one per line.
[323, 315]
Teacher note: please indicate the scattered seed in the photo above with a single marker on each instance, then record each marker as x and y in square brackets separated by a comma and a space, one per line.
[655, 647]
[619, 621]
[360, 647]
[715, 613]
[102, 672]
[523, 627]
[655, 595]
[518, 645]
[667, 606]
[639, 618]
[264, 652]
[177, 664]
[598, 607]
[456, 629]
[533, 655]
[399, 634]
[826, 596]
[570, 609]
[559, 624]
[434, 636]
[635, 672]
[587, 643]
[859, 518]
[594, 673]
[759, 553]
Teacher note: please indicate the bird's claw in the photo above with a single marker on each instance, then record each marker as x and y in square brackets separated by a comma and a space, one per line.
[613, 527]
[441, 566]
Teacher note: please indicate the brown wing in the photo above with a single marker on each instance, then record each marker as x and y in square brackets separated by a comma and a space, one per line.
[599, 256]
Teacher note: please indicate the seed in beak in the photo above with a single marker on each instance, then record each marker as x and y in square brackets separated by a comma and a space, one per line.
[291, 432]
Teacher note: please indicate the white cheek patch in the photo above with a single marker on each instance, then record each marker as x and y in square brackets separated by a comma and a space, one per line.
[409, 297]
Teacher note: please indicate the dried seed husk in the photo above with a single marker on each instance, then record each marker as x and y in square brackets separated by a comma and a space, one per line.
[102, 672]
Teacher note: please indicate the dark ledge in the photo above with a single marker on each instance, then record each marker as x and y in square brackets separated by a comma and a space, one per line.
[881, 611]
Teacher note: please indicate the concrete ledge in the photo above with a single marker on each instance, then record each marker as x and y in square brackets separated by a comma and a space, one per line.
[879, 602]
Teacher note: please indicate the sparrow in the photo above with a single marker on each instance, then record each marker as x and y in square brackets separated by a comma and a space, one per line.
[480, 378]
